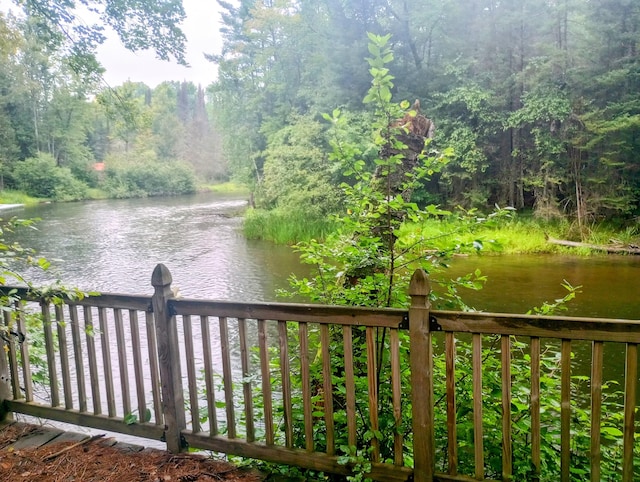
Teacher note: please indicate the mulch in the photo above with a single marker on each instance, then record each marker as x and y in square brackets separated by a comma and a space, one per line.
[99, 459]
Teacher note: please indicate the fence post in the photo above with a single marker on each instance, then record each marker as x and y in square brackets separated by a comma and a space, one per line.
[5, 381]
[421, 362]
[168, 359]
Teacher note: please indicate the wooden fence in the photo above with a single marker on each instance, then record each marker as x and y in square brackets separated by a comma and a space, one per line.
[334, 389]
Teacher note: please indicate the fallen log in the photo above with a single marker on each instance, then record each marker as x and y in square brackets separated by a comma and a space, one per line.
[597, 247]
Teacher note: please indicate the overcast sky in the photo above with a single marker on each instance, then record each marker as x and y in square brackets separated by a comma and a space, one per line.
[201, 27]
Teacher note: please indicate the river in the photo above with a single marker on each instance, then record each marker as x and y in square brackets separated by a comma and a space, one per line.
[113, 246]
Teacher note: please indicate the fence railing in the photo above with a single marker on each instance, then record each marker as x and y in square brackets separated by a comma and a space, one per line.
[335, 389]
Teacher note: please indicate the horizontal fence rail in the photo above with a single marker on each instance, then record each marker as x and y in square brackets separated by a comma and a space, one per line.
[396, 394]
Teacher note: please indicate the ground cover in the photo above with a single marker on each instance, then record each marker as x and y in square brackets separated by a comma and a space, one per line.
[99, 460]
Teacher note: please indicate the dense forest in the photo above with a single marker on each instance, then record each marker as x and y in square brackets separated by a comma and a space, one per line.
[539, 100]
[64, 132]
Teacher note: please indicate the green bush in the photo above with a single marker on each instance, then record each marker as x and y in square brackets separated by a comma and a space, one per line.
[149, 179]
[40, 177]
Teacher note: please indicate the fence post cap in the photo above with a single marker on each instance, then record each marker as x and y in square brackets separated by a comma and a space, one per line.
[419, 285]
[161, 276]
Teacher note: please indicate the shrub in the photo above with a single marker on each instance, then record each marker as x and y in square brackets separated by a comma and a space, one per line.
[40, 177]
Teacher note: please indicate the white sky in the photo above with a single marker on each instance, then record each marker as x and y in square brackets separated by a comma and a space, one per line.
[201, 28]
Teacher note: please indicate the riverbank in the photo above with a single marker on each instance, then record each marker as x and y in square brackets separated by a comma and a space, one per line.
[519, 234]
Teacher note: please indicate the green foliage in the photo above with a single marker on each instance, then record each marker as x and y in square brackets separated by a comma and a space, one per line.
[296, 174]
[41, 177]
[149, 179]
[285, 226]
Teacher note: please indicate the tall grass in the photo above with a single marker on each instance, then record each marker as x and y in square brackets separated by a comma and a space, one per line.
[7, 196]
[285, 226]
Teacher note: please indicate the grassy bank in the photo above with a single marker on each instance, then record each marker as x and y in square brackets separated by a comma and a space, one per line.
[284, 227]
[225, 188]
[8, 196]
[519, 235]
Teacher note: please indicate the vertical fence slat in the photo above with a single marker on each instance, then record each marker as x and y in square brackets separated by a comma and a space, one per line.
[13, 358]
[105, 343]
[505, 353]
[246, 381]
[94, 377]
[535, 404]
[565, 410]
[227, 377]
[303, 334]
[24, 353]
[122, 362]
[137, 366]
[478, 445]
[452, 435]
[372, 378]
[630, 385]
[78, 357]
[597, 357]
[64, 357]
[192, 381]
[285, 374]
[396, 387]
[327, 389]
[152, 348]
[265, 373]
[51, 354]
[349, 381]
[208, 375]
[421, 362]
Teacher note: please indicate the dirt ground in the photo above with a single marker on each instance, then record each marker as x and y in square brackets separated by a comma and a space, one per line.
[96, 460]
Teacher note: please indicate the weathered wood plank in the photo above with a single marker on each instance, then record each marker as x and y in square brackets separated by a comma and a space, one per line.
[591, 329]
[285, 374]
[123, 365]
[327, 388]
[208, 375]
[24, 353]
[265, 373]
[452, 434]
[51, 354]
[138, 369]
[39, 437]
[64, 356]
[338, 315]
[507, 452]
[192, 380]
[76, 341]
[227, 377]
[421, 363]
[303, 336]
[597, 356]
[105, 344]
[246, 383]
[101, 422]
[630, 386]
[349, 382]
[168, 359]
[478, 442]
[372, 386]
[300, 457]
[396, 393]
[565, 410]
[94, 377]
[535, 405]
[13, 357]
[154, 370]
